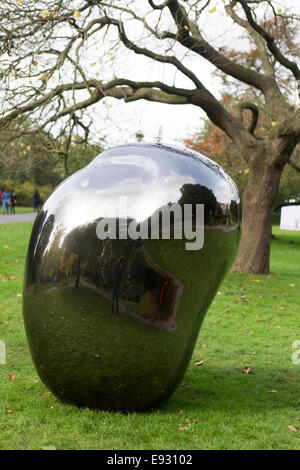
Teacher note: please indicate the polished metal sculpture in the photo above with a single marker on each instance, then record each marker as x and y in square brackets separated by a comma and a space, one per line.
[111, 314]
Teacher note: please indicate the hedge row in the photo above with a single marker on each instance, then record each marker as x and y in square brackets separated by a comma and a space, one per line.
[24, 191]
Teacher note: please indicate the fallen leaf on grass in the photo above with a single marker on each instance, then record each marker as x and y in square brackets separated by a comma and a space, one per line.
[49, 448]
[273, 391]
[50, 406]
[199, 363]
[292, 428]
[289, 377]
[11, 377]
[246, 370]
[19, 295]
[203, 346]
[9, 411]
[182, 428]
[184, 384]
[195, 420]
[12, 278]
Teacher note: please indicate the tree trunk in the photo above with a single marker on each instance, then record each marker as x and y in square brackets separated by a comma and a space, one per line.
[258, 203]
[77, 280]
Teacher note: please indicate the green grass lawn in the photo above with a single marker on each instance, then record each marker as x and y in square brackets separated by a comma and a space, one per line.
[23, 210]
[252, 323]
[20, 210]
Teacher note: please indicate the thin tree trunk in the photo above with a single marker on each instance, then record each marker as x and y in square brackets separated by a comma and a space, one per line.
[77, 280]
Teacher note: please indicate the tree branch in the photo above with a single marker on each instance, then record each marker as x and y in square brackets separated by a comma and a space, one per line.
[254, 115]
[270, 41]
[260, 43]
[158, 7]
[198, 44]
[117, 88]
[160, 58]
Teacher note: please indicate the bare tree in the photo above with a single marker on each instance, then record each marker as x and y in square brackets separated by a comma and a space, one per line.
[48, 68]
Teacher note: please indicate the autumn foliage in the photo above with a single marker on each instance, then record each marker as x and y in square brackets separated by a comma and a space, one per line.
[215, 144]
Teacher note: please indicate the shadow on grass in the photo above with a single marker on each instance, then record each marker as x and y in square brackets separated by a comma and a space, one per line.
[286, 239]
[230, 390]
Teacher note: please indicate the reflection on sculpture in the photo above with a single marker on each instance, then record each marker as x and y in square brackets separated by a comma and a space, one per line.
[112, 323]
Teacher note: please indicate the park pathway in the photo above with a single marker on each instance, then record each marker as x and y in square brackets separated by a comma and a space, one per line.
[8, 219]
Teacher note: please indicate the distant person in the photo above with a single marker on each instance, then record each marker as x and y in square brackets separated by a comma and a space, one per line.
[0, 197]
[5, 201]
[36, 200]
[117, 276]
[13, 202]
[126, 289]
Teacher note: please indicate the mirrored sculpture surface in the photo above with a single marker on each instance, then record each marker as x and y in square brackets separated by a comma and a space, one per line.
[112, 323]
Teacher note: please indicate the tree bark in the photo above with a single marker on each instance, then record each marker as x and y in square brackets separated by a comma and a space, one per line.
[258, 204]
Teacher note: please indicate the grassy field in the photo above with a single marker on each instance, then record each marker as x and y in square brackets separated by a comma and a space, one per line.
[251, 324]
[23, 210]
[20, 210]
